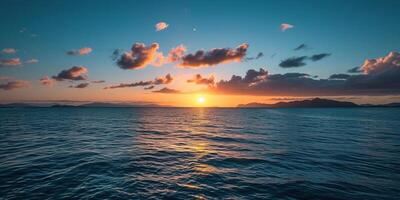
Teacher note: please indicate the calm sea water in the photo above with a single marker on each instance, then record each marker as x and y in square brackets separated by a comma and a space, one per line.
[166, 153]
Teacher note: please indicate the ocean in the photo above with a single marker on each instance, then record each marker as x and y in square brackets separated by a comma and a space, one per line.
[199, 153]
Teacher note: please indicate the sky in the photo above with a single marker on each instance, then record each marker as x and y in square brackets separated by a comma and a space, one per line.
[179, 52]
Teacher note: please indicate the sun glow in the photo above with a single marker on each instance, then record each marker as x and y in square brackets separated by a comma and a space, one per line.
[201, 100]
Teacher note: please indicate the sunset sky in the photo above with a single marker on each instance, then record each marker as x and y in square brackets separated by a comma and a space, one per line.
[197, 53]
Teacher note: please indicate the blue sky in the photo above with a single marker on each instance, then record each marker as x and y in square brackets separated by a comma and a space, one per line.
[351, 31]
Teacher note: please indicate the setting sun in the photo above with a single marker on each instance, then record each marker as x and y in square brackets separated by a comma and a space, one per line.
[201, 100]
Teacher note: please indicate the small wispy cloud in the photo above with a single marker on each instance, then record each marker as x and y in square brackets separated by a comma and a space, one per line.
[166, 90]
[259, 55]
[200, 80]
[98, 81]
[8, 51]
[15, 85]
[354, 70]
[12, 62]
[320, 56]
[161, 26]
[47, 81]
[80, 86]
[167, 79]
[301, 47]
[293, 62]
[285, 26]
[5, 78]
[80, 52]
[32, 61]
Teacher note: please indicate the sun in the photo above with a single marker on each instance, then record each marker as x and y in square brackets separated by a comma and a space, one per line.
[201, 100]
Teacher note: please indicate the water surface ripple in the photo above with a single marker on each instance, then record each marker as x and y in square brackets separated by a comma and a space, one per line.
[168, 153]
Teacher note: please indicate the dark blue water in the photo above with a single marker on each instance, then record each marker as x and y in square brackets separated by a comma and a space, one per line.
[165, 153]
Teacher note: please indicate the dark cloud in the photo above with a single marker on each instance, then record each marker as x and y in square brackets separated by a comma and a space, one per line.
[149, 87]
[139, 57]
[75, 73]
[284, 99]
[300, 61]
[116, 53]
[293, 62]
[199, 80]
[157, 81]
[339, 76]
[167, 91]
[163, 80]
[80, 86]
[11, 85]
[259, 55]
[214, 56]
[99, 81]
[320, 56]
[380, 77]
[354, 70]
[300, 47]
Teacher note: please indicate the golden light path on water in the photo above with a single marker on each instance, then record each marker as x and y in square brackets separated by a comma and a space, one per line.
[189, 147]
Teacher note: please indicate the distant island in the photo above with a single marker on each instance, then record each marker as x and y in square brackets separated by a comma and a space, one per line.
[314, 103]
[86, 105]
[309, 103]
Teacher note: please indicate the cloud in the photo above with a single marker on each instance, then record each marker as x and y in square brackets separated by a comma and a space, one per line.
[199, 80]
[5, 78]
[317, 57]
[301, 47]
[149, 87]
[380, 77]
[161, 26]
[174, 55]
[32, 61]
[339, 76]
[285, 26]
[167, 79]
[293, 62]
[300, 61]
[139, 57]
[99, 81]
[116, 53]
[167, 91]
[8, 51]
[15, 85]
[259, 55]
[163, 80]
[47, 81]
[354, 70]
[382, 65]
[10, 62]
[214, 56]
[75, 73]
[284, 99]
[80, 52]
[80, 86]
